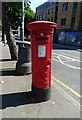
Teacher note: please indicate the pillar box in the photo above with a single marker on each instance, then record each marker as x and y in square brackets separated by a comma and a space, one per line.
[41, 45]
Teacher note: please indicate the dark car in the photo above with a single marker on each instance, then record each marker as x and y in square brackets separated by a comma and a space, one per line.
[18, 37]
[27, 37]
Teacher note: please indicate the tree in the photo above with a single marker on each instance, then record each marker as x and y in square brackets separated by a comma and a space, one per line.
[6, 30]
[11, 18]
[14, 10]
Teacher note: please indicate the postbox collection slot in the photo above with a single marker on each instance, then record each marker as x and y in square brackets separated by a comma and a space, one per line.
[42, 38]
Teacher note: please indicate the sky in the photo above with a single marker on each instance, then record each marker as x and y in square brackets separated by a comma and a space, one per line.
[36, 3]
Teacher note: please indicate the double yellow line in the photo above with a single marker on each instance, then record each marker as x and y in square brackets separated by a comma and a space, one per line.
[67, 87]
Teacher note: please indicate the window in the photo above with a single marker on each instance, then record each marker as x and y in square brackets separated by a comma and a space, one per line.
[37, 10]
[40, 8]
[49, 11]
[40, 17]
[52, 10]
[63, 21]
[50, 3]
[37, 17]
[52, 19]
[65, 5]
[43, 16]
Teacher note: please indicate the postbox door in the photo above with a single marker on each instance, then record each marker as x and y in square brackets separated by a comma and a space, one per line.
[42, 73]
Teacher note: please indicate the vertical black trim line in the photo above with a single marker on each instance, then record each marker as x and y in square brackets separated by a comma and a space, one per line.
[75, 4]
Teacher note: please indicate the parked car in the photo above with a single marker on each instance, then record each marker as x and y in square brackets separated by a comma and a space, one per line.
[27, 37]
[18, 37]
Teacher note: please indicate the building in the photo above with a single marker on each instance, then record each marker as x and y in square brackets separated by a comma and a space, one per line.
[46, 11]
[68, 16]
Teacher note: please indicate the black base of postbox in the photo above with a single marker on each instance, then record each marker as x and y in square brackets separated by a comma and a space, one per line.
[41, 94]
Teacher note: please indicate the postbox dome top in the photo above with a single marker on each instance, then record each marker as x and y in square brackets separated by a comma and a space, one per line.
[39, 25]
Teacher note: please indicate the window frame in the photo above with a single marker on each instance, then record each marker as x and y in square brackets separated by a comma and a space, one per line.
[52, 10]
[49, 11]
[65, 6]
[63, 21]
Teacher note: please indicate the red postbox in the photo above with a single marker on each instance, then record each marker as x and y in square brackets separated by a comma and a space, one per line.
[41, 44]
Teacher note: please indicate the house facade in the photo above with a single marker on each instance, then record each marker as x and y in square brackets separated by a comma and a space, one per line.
[68, 16]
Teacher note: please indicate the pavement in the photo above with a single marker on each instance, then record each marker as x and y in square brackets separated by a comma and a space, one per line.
[17, 102]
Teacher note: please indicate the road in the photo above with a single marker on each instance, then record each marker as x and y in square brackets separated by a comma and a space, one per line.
[66, 71]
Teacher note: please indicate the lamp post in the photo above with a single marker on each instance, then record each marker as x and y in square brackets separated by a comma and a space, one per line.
[22, 20]
[23, 65]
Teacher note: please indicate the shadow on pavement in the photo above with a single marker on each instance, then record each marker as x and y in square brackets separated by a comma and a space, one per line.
[9, 72]
[16, 99]
[4, 60]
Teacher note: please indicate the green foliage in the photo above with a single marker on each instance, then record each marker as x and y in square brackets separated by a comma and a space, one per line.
[14, 11]
[29, 14]
[29, 17]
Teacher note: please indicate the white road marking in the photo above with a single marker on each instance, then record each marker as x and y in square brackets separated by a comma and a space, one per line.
[60, 59]
[78, 58]
[67, 57]
[67, 64]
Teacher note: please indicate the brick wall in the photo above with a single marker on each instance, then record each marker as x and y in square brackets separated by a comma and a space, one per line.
[49, 16]
[64, 14]
[68, 14]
